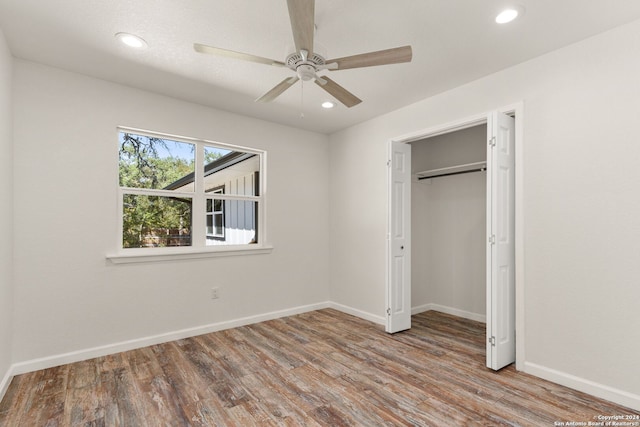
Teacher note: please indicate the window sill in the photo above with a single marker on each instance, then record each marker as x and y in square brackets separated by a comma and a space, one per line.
[130, 256]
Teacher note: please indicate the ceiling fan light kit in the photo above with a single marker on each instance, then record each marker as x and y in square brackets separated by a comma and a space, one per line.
[306, 64]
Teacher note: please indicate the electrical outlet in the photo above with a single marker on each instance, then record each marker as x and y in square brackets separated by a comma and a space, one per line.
[215, 293]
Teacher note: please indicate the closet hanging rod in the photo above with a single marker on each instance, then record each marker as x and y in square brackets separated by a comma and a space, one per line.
[451, 173]
[452, 170]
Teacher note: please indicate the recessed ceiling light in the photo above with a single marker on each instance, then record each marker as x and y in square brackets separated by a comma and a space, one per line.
[328, 104]
[507, 15]
[131, 40]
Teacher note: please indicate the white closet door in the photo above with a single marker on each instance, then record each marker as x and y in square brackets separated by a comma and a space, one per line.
[501, 346]
[399, 239]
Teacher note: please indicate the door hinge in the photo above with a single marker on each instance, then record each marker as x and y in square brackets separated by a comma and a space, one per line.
[389, 311]
[492, 239]
[492, 341]
[388, 163]
[492, 141]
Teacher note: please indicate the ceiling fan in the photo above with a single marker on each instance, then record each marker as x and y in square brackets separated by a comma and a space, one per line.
[306, 64]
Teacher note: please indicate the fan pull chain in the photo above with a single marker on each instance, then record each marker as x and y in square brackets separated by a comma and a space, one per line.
[301, 99]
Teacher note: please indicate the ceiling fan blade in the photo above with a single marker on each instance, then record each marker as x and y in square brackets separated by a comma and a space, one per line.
[235, 55]
[381, 57]
[278, 89]
[302, 16]
[338, 92]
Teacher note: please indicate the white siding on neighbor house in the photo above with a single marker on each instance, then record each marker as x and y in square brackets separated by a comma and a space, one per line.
[6, 213]
[578, 201]
[239, 215]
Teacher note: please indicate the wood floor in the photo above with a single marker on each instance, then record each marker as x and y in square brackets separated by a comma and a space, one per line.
[323, 368]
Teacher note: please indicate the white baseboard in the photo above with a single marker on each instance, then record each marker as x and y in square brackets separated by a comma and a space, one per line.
[90, 353]
[599, 390]
[6, 380]
[450, 310]
[620, 397]
[358, 313]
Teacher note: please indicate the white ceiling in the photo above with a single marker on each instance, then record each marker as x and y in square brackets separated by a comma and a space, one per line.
[454, 42]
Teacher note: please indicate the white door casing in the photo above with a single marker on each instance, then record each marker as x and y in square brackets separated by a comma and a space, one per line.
[501, 348]
[399, 239]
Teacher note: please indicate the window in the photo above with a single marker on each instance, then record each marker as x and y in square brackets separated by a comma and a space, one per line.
[181, 192]
[215, 216]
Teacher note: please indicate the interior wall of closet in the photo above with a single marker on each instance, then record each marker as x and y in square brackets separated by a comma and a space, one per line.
[448, 223]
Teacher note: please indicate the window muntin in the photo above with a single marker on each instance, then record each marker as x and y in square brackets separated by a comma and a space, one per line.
[166, 201]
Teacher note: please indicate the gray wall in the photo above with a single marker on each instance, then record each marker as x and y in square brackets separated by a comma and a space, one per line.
[448, 223]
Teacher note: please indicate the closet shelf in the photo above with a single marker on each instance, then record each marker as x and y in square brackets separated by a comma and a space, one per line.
[452, 170]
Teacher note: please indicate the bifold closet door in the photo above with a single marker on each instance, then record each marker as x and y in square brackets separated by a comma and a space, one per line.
[399, 239]
[501, 346]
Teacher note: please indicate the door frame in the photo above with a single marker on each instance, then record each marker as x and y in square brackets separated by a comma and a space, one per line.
[516, 109]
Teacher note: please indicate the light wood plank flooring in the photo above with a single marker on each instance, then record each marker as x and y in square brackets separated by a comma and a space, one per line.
[323, 368]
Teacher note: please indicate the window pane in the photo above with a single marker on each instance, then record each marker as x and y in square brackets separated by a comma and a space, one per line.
[213, 153]
[209, 225]
[236, 224]
[219, 230]
[154, 221]
[231, 172]
[147, 162]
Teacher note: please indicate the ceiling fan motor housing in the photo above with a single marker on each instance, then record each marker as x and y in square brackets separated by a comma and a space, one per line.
[306, 70]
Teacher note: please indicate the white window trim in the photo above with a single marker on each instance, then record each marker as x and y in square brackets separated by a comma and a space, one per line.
[137, 255]
[197, 249]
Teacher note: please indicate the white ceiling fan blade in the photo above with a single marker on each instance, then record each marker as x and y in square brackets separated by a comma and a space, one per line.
[338, 92]
[278, 89]
[302, 16]
[235, 55]
[381, 57]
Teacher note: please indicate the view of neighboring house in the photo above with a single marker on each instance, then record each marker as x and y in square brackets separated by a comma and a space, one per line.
[229, 221]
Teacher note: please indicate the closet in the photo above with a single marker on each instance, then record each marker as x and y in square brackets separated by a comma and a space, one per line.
[448, 223]
[452, 227]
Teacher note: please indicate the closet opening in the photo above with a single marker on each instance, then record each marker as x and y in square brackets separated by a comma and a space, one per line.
[452, 239]
[448, 223]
